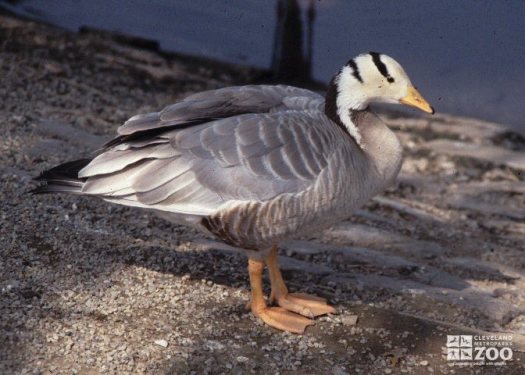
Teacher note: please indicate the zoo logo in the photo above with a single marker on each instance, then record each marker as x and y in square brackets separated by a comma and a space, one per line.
[464, 348]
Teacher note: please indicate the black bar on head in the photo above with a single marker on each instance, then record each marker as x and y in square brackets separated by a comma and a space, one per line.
[376, 58]
[355, 70]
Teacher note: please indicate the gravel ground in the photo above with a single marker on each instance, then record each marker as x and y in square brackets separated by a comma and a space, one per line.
[87, 287]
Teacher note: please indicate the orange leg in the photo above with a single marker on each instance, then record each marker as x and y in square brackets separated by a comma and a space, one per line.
[276, 317]
[300, 303]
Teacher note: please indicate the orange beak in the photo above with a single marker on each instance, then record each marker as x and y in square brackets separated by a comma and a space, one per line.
[414, 99]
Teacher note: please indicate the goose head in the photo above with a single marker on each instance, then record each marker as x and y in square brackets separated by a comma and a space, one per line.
[368, 78]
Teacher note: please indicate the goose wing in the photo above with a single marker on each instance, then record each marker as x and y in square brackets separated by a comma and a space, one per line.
[209, 157]
[222, 103]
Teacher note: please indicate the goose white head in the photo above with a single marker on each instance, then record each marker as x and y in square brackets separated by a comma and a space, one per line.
[367, 78]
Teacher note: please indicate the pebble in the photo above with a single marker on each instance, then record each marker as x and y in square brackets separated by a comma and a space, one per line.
[162, 343]
[350, 320]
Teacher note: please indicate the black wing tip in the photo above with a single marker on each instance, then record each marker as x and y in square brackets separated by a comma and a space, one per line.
[61, 179]
[68, 170]
[40, 177]
[46, 175]
[54, 189]
[44, 189]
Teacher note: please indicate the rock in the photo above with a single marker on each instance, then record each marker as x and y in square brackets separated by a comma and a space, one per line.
[349, 320]
[242, 359]
[162, 343]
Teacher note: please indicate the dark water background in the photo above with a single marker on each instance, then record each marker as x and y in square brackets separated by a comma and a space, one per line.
[466, 56]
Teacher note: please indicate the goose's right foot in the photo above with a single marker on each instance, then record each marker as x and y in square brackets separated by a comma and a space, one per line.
[276, 317]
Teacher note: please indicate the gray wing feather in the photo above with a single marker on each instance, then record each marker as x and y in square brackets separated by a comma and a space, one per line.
[158, 174]
[115, 160]
[224, 103]
[270, 164]
[162, 192]
[117, 183]
[232, 155]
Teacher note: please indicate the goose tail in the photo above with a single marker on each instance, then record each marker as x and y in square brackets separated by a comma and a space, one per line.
[62, 179]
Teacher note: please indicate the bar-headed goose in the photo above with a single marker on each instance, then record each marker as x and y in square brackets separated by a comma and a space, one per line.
[256, 165]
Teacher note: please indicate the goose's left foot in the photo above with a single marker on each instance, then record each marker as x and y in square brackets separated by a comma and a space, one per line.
[304, 304]
[300, 303]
